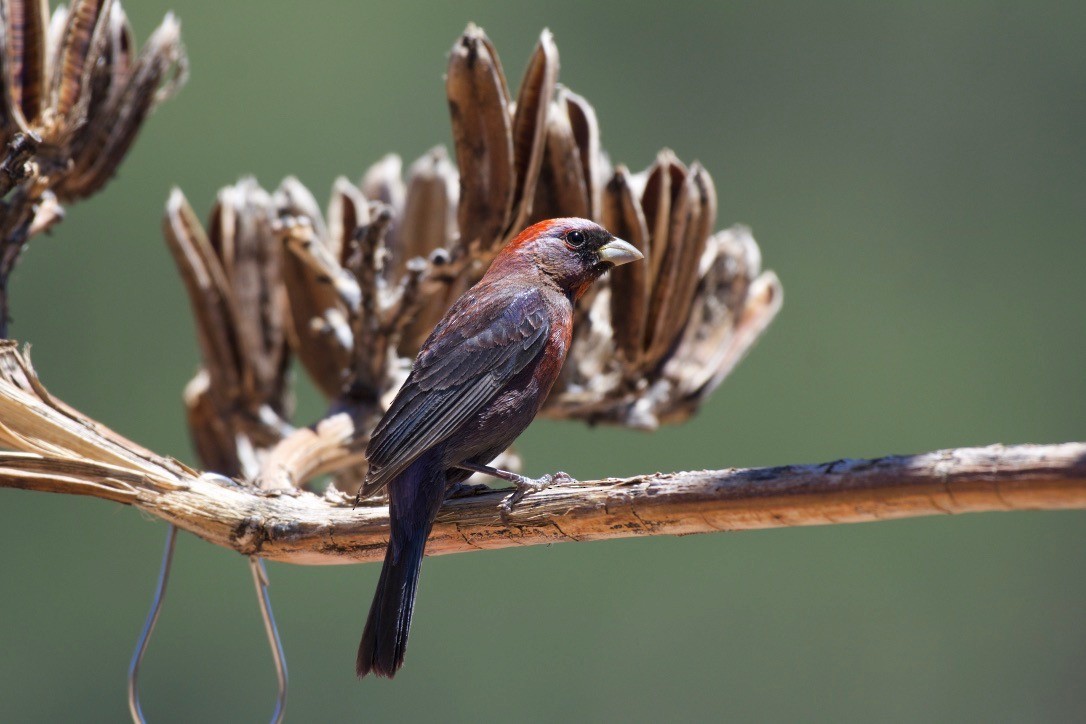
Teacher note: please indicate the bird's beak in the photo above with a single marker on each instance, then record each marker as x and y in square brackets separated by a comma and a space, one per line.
[619, 252]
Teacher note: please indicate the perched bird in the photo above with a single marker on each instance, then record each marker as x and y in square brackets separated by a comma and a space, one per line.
[479, 379]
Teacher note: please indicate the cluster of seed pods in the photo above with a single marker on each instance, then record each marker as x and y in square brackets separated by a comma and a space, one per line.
[75, 93]
[354, 289]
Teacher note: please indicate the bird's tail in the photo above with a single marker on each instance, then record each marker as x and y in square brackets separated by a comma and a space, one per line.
[384, 640]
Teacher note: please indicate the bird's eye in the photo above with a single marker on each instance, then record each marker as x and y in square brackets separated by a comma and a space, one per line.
[575, 238]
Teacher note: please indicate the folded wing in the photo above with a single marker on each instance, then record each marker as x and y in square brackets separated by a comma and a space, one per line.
[484, 341]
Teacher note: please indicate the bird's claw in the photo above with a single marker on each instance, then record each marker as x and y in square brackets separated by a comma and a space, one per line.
[527, 486]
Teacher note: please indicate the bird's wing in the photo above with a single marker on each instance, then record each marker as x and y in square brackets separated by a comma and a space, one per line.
[480, 345]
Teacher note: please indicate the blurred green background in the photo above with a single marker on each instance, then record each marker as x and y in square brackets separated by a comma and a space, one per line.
[914, 172]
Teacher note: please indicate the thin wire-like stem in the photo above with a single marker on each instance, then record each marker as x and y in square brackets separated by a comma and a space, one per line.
[134, 707]
[271, 630]
[260, 580]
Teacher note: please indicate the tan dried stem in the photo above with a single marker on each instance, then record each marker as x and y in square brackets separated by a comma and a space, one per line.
[61, 451]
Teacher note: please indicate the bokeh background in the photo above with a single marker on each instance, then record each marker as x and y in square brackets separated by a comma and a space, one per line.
[915, 173]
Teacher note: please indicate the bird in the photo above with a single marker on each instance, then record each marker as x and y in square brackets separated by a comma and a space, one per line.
[478, 381]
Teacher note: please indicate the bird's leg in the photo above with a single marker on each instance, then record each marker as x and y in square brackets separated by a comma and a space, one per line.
[465, 490]
[524, 485]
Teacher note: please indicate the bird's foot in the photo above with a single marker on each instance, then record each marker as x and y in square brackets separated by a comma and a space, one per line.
[524, 486]
[527, 486]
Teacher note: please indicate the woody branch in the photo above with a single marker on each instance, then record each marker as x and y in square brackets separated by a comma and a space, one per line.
[64, 452]
[308, 529]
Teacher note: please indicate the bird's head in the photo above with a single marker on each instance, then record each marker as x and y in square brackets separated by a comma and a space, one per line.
[572, 253]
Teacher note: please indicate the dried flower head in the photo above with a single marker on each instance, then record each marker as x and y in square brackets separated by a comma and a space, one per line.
[76, 85]
[366, 281]
[75, 94]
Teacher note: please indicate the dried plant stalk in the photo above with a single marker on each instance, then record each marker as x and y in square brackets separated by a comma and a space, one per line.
[64, 452]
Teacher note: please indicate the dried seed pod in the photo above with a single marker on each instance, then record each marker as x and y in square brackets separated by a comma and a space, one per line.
[428, 225]
[530, 127]
[562, 189]
[622, 216]
[80, 48]
[235, 287]
[383, 183]
[483, 138]
[294, 199]
[9, 117]
[698, 231]
[347, 210]
[54, 33]
[348, 310]
[734, 304]
[239, 402]
[26, 22]
[586, 132]
[241, 235]
[158, 71]
[428, 219]
[107, 78]
[208, 290]
[317, 289]
[731, 307]
[211, 434]
[663, 180]
[692, 217]
[120, 47]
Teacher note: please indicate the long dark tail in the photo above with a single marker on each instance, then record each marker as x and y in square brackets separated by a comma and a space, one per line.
[415, 497]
